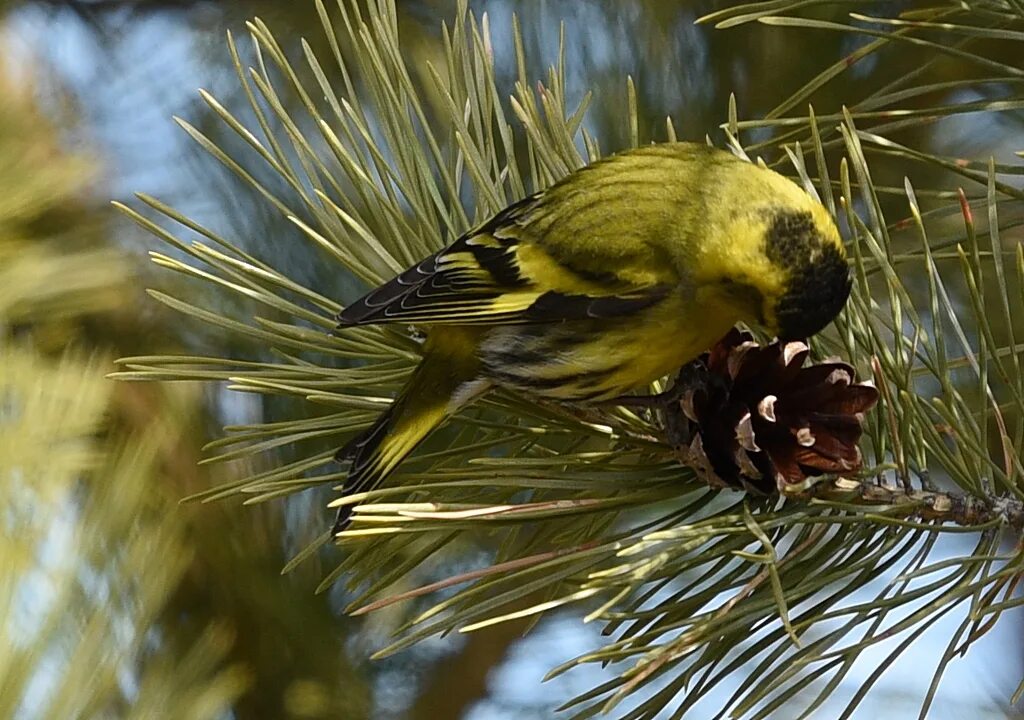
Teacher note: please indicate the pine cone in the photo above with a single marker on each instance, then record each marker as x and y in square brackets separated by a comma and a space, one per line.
[752, 417]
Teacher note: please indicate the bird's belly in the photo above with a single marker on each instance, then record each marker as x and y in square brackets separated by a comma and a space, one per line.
[600, 359]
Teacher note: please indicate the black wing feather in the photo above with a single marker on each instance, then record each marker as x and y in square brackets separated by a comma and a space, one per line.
[448, 287]
[429, 283]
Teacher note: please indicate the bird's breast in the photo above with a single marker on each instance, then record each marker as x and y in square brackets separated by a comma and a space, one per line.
[600, 359]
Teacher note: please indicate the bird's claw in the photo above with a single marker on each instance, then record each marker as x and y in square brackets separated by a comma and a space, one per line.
[691, 375]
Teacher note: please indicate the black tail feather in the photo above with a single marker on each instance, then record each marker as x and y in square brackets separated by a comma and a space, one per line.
[343, 518]
[437, 388]
[360, 452]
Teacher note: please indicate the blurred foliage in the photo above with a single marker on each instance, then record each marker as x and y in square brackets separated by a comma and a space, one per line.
[85, 511]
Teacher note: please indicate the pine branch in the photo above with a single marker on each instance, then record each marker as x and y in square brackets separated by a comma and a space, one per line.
[701, 442]
[957, 507]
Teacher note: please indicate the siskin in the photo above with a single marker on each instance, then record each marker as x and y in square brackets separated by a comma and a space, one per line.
[615, 276]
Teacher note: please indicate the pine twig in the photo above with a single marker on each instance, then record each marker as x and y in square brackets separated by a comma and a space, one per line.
[950, 507]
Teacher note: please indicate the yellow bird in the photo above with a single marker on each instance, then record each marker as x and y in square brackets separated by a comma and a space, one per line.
[615, 276]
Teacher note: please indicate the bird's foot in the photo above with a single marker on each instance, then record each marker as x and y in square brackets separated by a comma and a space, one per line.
[658, 400]
[690, 376]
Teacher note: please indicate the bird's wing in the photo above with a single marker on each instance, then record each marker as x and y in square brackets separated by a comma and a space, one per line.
[507, 272]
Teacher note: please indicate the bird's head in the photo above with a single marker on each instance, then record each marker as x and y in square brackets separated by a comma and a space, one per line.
[781, 261]
[816, 284]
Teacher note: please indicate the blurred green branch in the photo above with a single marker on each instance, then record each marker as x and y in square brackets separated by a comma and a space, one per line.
[85, 516]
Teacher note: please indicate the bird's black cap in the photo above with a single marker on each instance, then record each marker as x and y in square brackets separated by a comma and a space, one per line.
[819, 278]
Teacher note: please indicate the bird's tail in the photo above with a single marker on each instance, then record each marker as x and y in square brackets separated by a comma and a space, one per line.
[445, 381]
